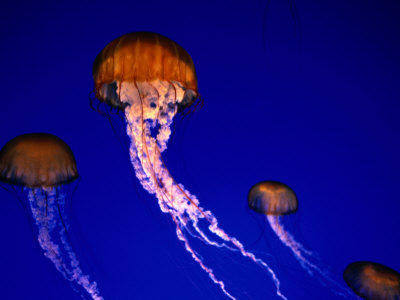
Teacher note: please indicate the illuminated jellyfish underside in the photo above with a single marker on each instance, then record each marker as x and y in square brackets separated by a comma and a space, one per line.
[151, 106]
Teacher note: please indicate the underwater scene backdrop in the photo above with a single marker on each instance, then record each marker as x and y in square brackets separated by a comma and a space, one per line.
[303, 93]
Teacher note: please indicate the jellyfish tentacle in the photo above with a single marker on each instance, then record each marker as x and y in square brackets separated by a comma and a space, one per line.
[158, 115]
[288, 240]
[209, 271]
[77, 274]
[46, 225]
[46, 206]
[221, 233]
[181, 236]
[209, 241]
[145, 151]
[164, 196]
[213, 227]
[301, 254]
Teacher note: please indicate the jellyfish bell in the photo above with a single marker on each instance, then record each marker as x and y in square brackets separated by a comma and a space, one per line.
[372, 281]
[151, 78]
[43, 166]
[144, 57]
[272, 198]
[37, 160]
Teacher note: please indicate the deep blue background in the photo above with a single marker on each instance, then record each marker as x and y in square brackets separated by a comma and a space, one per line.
[320, 113]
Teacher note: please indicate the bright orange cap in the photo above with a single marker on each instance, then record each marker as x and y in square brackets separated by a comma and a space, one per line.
[37, 160]
[143, 56]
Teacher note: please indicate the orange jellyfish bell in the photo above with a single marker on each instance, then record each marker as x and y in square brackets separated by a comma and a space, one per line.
[142, 57]
[372, 281]
[37, 159]
[272, 198]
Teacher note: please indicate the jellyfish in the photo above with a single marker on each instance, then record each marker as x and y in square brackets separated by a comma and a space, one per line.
[275, 200]
[150, 78]
[372, 281]
[42, 166]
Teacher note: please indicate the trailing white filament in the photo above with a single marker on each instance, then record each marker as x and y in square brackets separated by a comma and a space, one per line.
[287, 239]
[47, 208]
[303, 256]
[151, 106]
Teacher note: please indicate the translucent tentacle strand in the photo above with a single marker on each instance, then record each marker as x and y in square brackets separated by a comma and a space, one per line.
[288, 240]
[303, 256]
[47, 208]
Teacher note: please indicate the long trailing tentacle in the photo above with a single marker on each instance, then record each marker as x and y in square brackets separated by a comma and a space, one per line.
[47, 207]
[304, 256]
[288, 240]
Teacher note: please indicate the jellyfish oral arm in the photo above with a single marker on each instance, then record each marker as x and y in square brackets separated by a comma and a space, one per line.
[304, 256]
[151, 106]
[288, 240]
[47, 208]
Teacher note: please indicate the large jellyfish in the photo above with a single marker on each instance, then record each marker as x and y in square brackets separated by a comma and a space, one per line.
[41, 166]
[372, 281]
[275, 200]
[150, 78]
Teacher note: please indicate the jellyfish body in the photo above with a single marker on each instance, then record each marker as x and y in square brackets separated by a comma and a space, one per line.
[42, 165]
[275, 200]
[151, 78]
[373, 281]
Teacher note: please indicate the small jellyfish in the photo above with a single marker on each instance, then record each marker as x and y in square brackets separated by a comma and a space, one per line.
[41, 166]
[150, 78]
[275, 200]
[372, 281]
